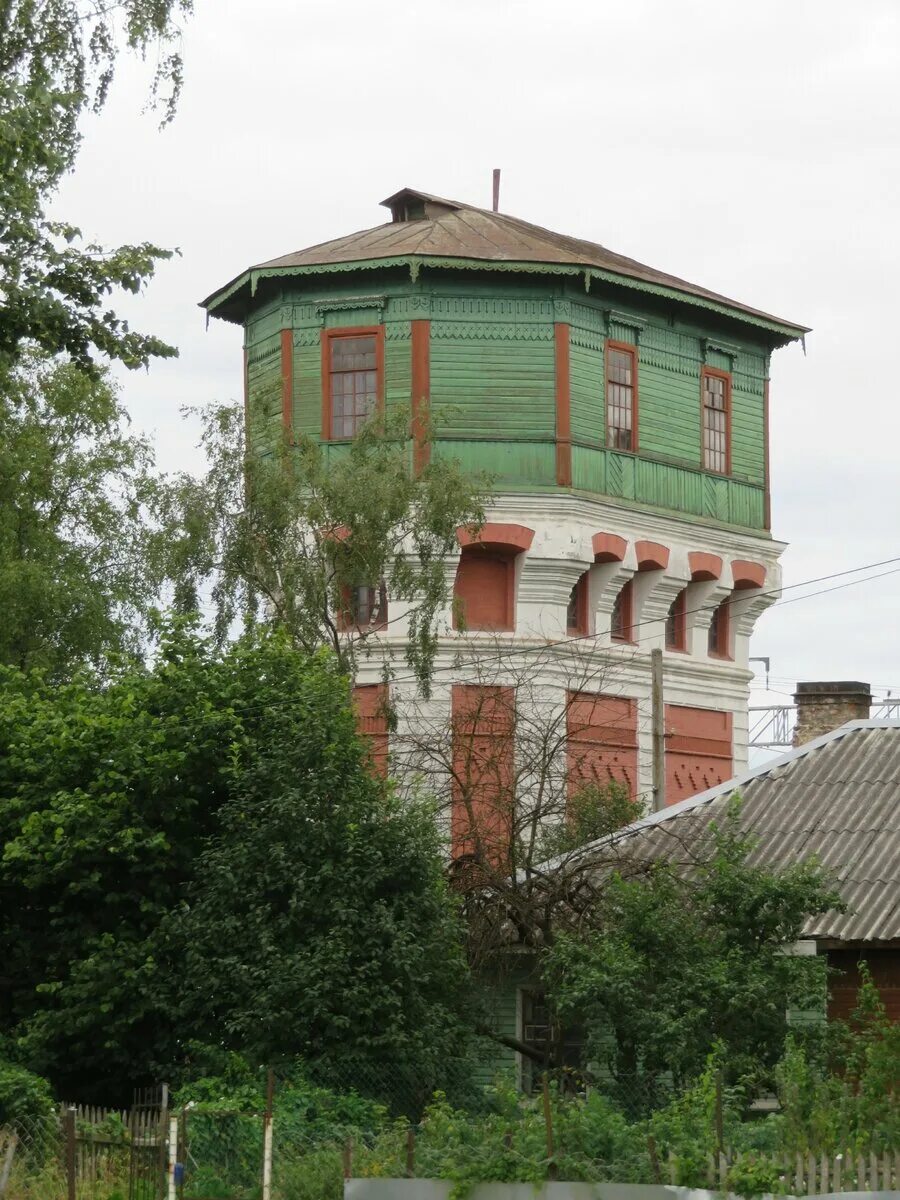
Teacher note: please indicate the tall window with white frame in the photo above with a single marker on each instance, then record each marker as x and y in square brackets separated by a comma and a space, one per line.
[716, 400]
[621, 397]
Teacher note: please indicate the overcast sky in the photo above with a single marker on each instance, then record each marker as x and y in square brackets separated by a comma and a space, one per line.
[751, 147]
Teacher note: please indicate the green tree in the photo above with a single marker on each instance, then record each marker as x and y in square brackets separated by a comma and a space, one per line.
[57, 59]
[678, 962]
[285, 535]
[109, 795]
[320, 923]
[81, 552]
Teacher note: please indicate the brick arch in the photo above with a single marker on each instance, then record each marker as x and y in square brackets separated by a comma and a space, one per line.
[651, 556]
[608, 547]
[704, 566]
[497, 535]
[747, 574]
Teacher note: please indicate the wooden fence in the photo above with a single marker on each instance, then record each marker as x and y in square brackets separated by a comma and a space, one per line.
[811, 1174]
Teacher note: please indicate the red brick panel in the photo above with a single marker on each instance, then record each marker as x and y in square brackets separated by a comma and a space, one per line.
[370, 702]
[601, 740]
[698, 750]
[483, 771]
[884, 965]
[484, 590]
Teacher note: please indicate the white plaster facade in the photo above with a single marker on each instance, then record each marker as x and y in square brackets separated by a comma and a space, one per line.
[561, 552]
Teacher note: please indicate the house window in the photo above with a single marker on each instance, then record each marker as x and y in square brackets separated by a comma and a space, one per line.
[352, 379]
[676, 622]
[621, 622]
[368, 606]
[621, 396]
[716, 386]
[577, 610]
[719, 633]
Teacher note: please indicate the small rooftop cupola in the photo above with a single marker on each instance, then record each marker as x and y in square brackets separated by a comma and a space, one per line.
[409, 205]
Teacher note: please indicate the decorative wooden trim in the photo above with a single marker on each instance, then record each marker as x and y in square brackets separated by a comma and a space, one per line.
[625, 348]
[767, 498]
[704, 566]
[563, 406]
[497, 534]
[726, 375]
[421, 392]
[651, 556]
[327, 335]
[287, 383]
[747, 574]
[608, 547]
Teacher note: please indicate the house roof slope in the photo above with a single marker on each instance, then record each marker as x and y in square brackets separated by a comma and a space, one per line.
[836, 798]
[451, 230]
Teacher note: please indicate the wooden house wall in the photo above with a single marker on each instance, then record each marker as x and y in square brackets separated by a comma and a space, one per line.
[492, 383]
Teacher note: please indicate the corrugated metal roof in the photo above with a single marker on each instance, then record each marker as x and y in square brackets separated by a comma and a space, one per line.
[837, 798]
[460, 231]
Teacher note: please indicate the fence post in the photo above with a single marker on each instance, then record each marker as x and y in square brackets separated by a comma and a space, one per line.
[348, 1158]
[171, 1186]
[720, 1116]
[267, 1137]
[70, 1152]
[548, 1122]
[654, 1159]
[411, 1152]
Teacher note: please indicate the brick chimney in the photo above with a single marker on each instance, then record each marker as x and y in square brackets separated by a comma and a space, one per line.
[822, 707]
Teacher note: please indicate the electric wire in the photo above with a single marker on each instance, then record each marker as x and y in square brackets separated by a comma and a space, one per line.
[515, 651]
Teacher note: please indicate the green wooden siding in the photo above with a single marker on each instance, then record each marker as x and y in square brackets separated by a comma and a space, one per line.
[493, 384]
[397, 366]
[669, 413]
[587, 392]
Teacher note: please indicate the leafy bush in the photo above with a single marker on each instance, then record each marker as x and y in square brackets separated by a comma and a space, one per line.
[24, 1096]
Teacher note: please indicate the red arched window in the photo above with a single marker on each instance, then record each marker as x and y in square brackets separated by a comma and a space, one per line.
[577, 609]
[621, 622]
[484, 593]
[676, 622]
[719, 641]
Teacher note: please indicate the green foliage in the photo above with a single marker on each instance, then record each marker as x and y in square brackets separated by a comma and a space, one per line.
[319, 923]
[57, 60]
[844, 1092]
[593, 812]
[81, 555]
[110, 799]
[720, 931]
[24, 1096]
[286, 533]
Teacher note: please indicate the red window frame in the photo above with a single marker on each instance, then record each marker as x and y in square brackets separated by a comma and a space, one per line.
[578, 601]
[718, 638]
[329, 336]
[631, 350]
[625, 602]
[725, 376]
[676, 623]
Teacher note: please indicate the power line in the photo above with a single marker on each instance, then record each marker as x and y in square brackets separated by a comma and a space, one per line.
[514, 651]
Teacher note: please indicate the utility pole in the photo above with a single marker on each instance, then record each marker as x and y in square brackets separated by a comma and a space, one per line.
[658, 725]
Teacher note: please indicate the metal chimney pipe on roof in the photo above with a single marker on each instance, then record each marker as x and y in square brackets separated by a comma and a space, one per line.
[824, 706]
[496, 189]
